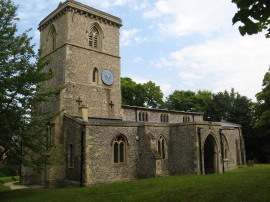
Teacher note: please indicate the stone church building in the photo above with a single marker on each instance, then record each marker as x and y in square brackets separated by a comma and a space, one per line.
[95, 139]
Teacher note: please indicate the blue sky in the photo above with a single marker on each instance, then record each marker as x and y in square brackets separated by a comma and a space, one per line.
[178, 44]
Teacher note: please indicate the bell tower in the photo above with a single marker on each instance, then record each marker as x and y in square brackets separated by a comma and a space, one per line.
[83, 44]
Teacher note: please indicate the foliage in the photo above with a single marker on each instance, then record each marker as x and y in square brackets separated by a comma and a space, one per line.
[232, 107]
[263, 124]
[153, 95]
[131, 92]
[263, 99]
[254, 15]
[219, 107]
[243, 184]
[181, 100]
[143, 95]
[189, 101]
[21, 92]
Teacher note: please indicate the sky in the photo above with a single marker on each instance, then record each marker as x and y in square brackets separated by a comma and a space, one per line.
[178, 44]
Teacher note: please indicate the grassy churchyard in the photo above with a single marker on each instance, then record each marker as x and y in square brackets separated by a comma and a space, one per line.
[243, 184]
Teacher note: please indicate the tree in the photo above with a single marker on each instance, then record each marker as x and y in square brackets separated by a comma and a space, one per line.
[189, 101]
[21, 92]
[142, 95]
[153, 95]
[232, 107]
[181, 100]
[263, 99]
[132, 93]
[219, 108]
[254, 15]
[203, 99]
[263, 124]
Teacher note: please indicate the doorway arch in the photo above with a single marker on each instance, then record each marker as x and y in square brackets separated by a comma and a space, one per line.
[210, 155]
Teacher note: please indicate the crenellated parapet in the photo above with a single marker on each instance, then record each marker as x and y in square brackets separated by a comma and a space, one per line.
[81, 9]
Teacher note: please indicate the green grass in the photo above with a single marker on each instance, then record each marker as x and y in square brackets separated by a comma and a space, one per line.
[243, 184]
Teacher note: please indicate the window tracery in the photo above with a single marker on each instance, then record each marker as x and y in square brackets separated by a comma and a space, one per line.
[119, 149]
[94, 38]
[52, 38]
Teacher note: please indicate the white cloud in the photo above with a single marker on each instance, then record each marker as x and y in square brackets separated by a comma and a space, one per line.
[181, 17]
[164, 62]
[188, 78]
[233, 61]
[137, 59]
[107, 4]
[165, 88]
[131, 37]
[138, 79]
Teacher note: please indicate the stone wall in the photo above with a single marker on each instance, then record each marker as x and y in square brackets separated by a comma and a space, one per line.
[182, 148]
[73, 131]
[100, 167]
[131, 113]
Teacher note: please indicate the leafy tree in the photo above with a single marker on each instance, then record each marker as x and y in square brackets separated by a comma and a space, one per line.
[189, 101]
[254, 15]
[153, 95]
[181, 100]
[203, 99]
[143, 95]
[219, 108]
[232, 107]
[263, 124]
[21, 73]
[132, 93]
[263, 98]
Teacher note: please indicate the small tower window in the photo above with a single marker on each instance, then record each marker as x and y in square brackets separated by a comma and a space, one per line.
[95, 75]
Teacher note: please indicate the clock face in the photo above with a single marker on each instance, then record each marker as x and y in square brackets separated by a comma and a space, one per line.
[107, 77]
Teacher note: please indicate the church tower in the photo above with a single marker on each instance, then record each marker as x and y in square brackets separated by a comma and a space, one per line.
[83, 45]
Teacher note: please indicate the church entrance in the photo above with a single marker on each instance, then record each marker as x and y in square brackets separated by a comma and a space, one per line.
[210, 155]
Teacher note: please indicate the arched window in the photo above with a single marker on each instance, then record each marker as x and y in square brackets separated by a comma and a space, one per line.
[143, 116]
[225, 147]
[164, 118]
[94, 38]
[161, 147]
[95, 75]
[119, 149]
[186, 119]
[52, 39]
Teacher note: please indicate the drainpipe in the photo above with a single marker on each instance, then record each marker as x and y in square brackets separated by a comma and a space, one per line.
[200, 148]
[82, 155]
[221, 147]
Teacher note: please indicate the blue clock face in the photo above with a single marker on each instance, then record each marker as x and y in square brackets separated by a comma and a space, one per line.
[107, 77]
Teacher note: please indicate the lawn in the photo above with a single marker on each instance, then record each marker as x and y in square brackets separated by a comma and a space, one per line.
[243, 184]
